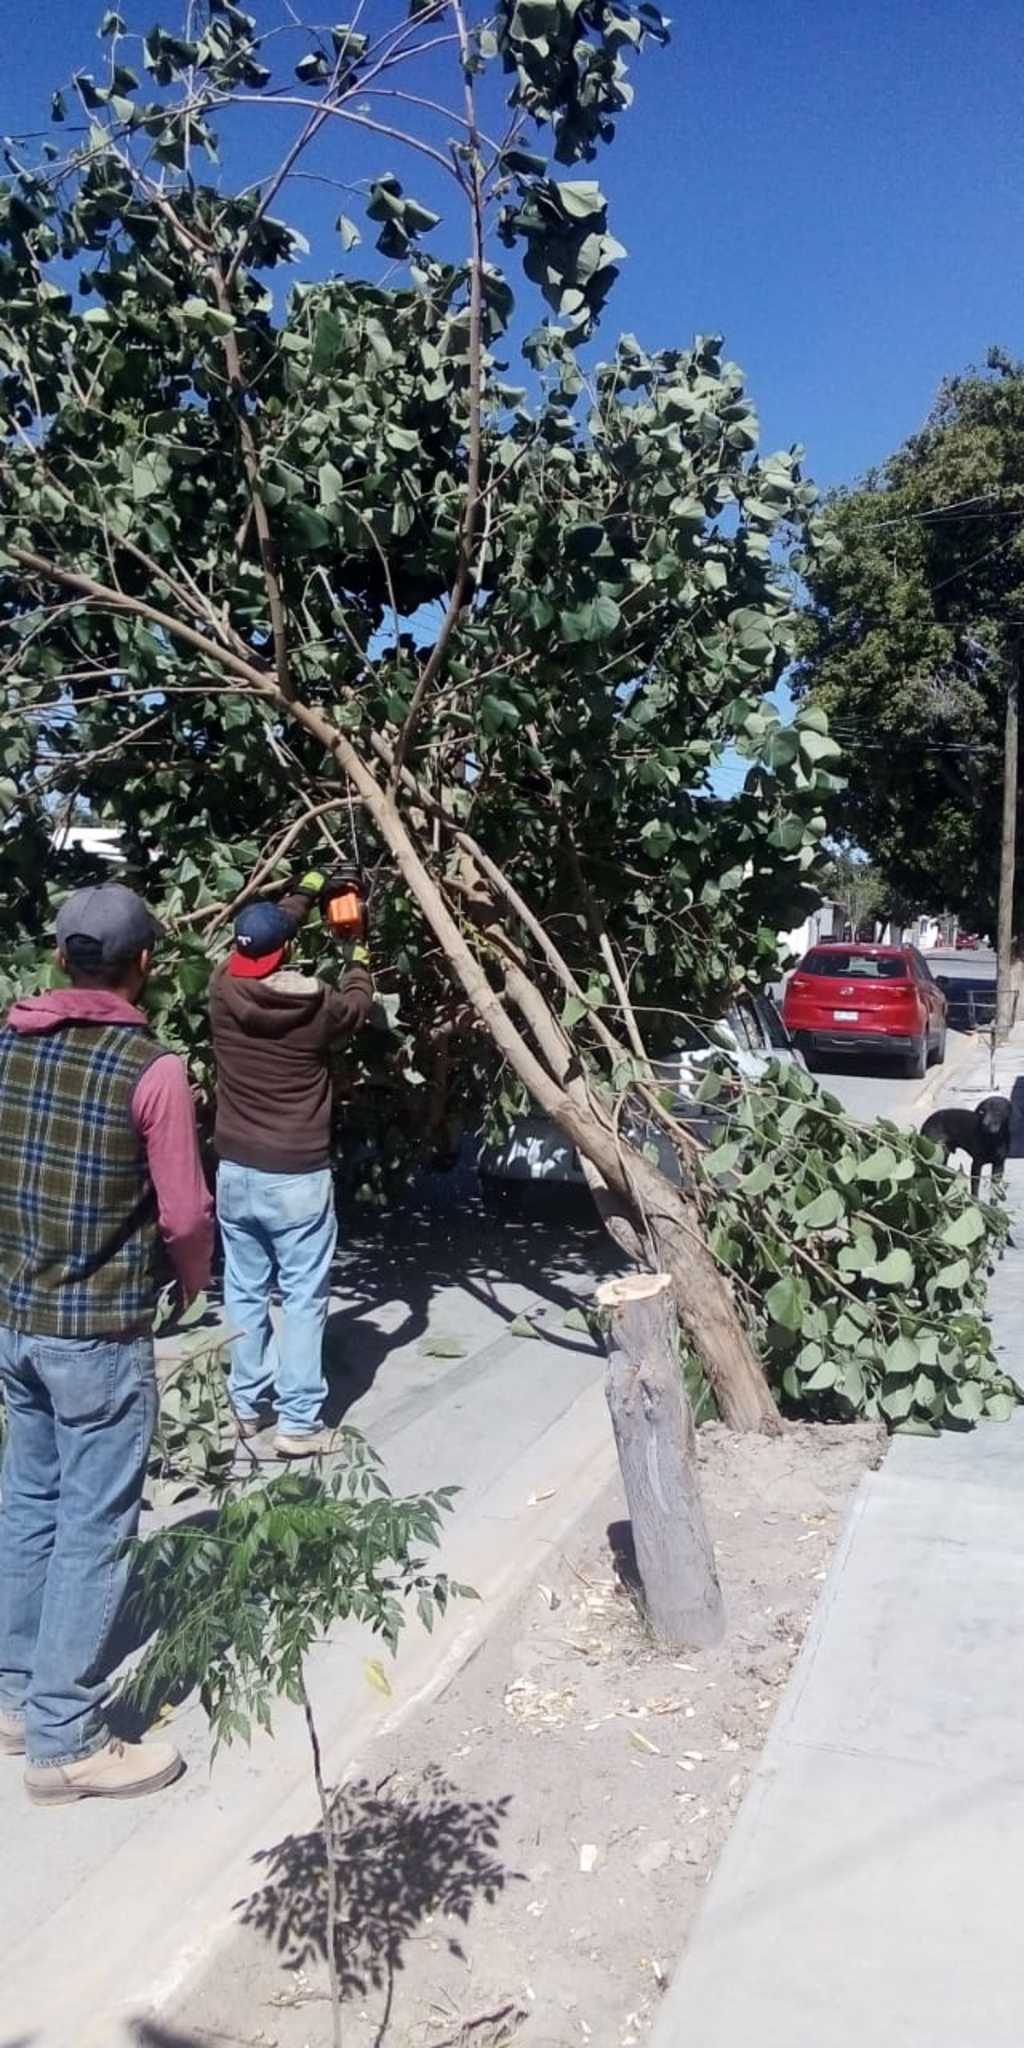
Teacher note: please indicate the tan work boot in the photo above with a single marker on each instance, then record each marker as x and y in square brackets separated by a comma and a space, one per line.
[247, 1426]
[311, 1445]
[120, 1770]
[12, 1735]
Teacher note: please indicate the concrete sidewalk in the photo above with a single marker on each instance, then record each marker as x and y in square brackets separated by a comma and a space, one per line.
[871, 1887]
[105, 1910]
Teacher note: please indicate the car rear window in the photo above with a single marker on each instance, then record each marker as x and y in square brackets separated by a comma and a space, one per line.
[868, 966]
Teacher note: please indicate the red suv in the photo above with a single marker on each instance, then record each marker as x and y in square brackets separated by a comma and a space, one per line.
[878, 999]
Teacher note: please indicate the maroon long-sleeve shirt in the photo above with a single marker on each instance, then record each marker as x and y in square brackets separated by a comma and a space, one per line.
[164, 1116]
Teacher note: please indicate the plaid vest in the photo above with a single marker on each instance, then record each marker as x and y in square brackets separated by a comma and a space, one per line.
[80, 1250]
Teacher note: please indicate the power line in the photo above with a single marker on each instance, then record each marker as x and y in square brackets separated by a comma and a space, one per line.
[956, 507]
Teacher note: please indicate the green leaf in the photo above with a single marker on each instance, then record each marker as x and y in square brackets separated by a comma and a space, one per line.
[897, 1270]
[965, 1229]
[823, 1377]
[576, 1319]
[581, 198]
[522, 1327]
[817, 746]
[377, 1676]
[967, 1404]
[573, 1009]
[1001, 1406]
[722, 1160]
[442, 1347]
[897, 1401]
[309, 527]
[902, 1356]
[786, 1301]
[880, 1164]
[827, 1209]
[953, 1278]
[594, 620]
[331, 483]
[349, 233]
[523, 162]
[327, 341]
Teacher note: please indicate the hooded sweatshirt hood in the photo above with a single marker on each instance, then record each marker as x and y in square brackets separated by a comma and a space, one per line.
[57, 1006]
[275, 1007]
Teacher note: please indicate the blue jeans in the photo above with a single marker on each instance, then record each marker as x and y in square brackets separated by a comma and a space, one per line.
[80, 1415]
[283, 1227]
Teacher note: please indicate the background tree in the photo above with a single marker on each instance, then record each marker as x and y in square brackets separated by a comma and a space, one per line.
[855, 884]
[913, 601]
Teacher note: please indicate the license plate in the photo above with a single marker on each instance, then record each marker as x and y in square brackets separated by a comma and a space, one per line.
[846, 1016]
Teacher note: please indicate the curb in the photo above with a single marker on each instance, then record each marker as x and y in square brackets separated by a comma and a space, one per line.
[940, 1078]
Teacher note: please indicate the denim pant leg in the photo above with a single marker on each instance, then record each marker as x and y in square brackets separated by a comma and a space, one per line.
[103, 1395]
[30, 1490]
[304, 1233]
[248, 1280]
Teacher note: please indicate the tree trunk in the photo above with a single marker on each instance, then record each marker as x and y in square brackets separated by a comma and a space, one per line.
[657, 1453]
[633, 1197]
[707, 1313]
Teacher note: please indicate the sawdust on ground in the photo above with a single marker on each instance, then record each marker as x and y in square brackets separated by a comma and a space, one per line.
[525, 1857]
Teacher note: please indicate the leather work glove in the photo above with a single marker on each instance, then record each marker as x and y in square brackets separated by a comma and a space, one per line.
[311, 883]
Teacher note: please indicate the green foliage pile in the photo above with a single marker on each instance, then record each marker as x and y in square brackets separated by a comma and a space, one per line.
[862, 1260]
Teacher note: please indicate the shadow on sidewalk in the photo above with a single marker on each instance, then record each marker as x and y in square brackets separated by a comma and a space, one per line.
[420, 1252]
[407, 1851]
[147, 2035]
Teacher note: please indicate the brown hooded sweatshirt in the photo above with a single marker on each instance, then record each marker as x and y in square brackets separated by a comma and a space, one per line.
[272, 1040]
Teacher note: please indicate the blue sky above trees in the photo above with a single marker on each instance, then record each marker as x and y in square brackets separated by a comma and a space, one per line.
[837, 190]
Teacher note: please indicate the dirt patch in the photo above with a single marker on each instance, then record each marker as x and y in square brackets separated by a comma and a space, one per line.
[525, 1858]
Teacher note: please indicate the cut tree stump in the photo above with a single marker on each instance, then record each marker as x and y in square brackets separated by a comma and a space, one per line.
[656, 1442]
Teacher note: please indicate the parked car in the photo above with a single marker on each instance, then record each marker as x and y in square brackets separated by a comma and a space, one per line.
[869, 999]
[535, 1153]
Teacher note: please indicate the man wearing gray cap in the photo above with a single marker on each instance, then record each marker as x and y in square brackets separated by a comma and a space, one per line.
[102, 1198]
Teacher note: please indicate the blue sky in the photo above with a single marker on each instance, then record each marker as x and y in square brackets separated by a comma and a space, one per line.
[837, 188]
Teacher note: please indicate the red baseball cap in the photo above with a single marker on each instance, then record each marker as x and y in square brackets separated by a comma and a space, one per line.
[263, 933]
[243, 968]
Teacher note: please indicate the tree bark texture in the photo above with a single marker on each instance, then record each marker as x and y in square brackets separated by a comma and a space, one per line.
[654, 1436]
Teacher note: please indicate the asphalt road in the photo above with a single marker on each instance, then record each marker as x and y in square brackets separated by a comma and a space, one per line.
[869, 1088]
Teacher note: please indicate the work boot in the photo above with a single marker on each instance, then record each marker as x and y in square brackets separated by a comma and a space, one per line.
[120, 1770]
[250, 1425]
[312, 1444]
[12, 1735]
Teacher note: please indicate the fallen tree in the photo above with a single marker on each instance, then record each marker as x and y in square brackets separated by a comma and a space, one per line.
[262, 562]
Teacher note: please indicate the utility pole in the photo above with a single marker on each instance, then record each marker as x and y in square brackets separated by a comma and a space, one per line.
[1008, 851]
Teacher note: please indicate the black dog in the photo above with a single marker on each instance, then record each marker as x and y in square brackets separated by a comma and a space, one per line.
[983, 1133]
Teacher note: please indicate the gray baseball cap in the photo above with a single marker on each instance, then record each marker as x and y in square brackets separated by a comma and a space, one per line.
[105, 926]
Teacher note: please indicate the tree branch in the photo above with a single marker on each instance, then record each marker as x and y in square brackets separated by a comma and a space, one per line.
[460, 587]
